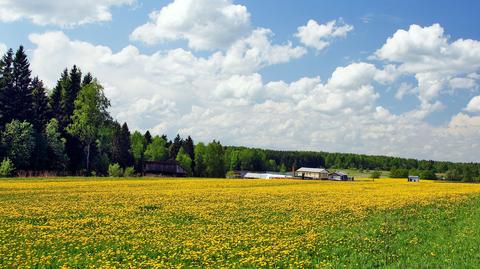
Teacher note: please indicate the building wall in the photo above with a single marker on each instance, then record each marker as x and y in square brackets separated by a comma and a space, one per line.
[312, 175]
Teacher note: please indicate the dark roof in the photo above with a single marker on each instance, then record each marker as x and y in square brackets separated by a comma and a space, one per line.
[339, 174]
[170, 167]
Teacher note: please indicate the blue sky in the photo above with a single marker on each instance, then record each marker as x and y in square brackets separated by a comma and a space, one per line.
[261, 81]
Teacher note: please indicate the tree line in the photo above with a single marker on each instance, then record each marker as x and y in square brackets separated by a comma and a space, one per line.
[68, 131]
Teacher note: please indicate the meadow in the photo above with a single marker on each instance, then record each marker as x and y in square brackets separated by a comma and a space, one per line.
[177, 223]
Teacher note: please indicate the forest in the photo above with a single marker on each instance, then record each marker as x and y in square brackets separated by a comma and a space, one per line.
[68, 130]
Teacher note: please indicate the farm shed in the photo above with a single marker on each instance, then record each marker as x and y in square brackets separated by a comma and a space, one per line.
[413, 179]
[266, 175]
[339, 176]
[164, 168]
[312, 173]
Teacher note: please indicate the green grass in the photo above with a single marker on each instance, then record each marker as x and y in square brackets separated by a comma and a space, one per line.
[435, 236]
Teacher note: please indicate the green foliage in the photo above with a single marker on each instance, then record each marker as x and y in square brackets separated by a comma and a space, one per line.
[129, 171]
[58, 159]
[22, 96]
[399, 173]
[427, 174]
[157, 150]
[185, 161]
[39, 105]
[7, 89]
[282, 168]
[375, 174]
[19, 142]
[214, 162]
[138, 144]
[6, 168]
[175, 147]
[89, 115]
[114, 170]
[200, 165]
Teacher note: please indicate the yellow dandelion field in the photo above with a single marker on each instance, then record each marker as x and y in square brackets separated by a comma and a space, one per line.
[166, 223]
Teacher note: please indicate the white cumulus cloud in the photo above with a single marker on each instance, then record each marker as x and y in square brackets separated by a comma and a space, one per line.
[62, 13]
[436, 62]
[319, 36]
[224, 96]
[474, 105]
[205, 24]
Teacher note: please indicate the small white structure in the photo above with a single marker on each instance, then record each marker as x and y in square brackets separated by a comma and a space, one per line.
[413, 179]
[267, 175]
[312, 173]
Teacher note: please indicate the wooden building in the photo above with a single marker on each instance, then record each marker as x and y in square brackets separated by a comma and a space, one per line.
[339, 176]
[164, 168]
[312, 173]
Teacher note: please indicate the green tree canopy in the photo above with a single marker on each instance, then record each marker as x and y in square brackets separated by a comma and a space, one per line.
[157, 150]
[19, 142]
[89, 115]
[185, 161]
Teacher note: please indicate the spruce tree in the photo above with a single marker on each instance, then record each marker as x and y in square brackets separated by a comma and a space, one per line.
[148, 137]
[87, 79]
[7, 91]
[175, 147]
[56, 98]
[22, 99]
[189, 147]
[70, 94]
[39, 105]
[125, 143]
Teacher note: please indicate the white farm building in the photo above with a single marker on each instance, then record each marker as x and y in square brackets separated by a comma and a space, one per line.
[312, 173]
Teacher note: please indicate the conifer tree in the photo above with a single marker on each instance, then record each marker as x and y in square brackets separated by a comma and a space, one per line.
[39, 105]
[189, 147]
[175, 147]
[22, 99]
[56, 98]
[125, 143]
[148, 137]
[7, 90]
[70, 93]
[87, 79]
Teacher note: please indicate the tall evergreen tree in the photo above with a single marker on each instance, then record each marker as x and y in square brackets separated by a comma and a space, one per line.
[125, 142]
[56, 98]
[121, 146]
[189, 147]
[22, 99]
[39, 105]
[70, 94]
[7, 90]
[87, 79]
[175, 147]
[148, 137]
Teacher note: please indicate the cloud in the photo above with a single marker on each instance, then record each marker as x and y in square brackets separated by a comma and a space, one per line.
[462, 83]
[404, 89]
[210, 98]
[257, 51]
[205, 24]
[435, 62]
[319, 36]
[474, 105]
[61, 13]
